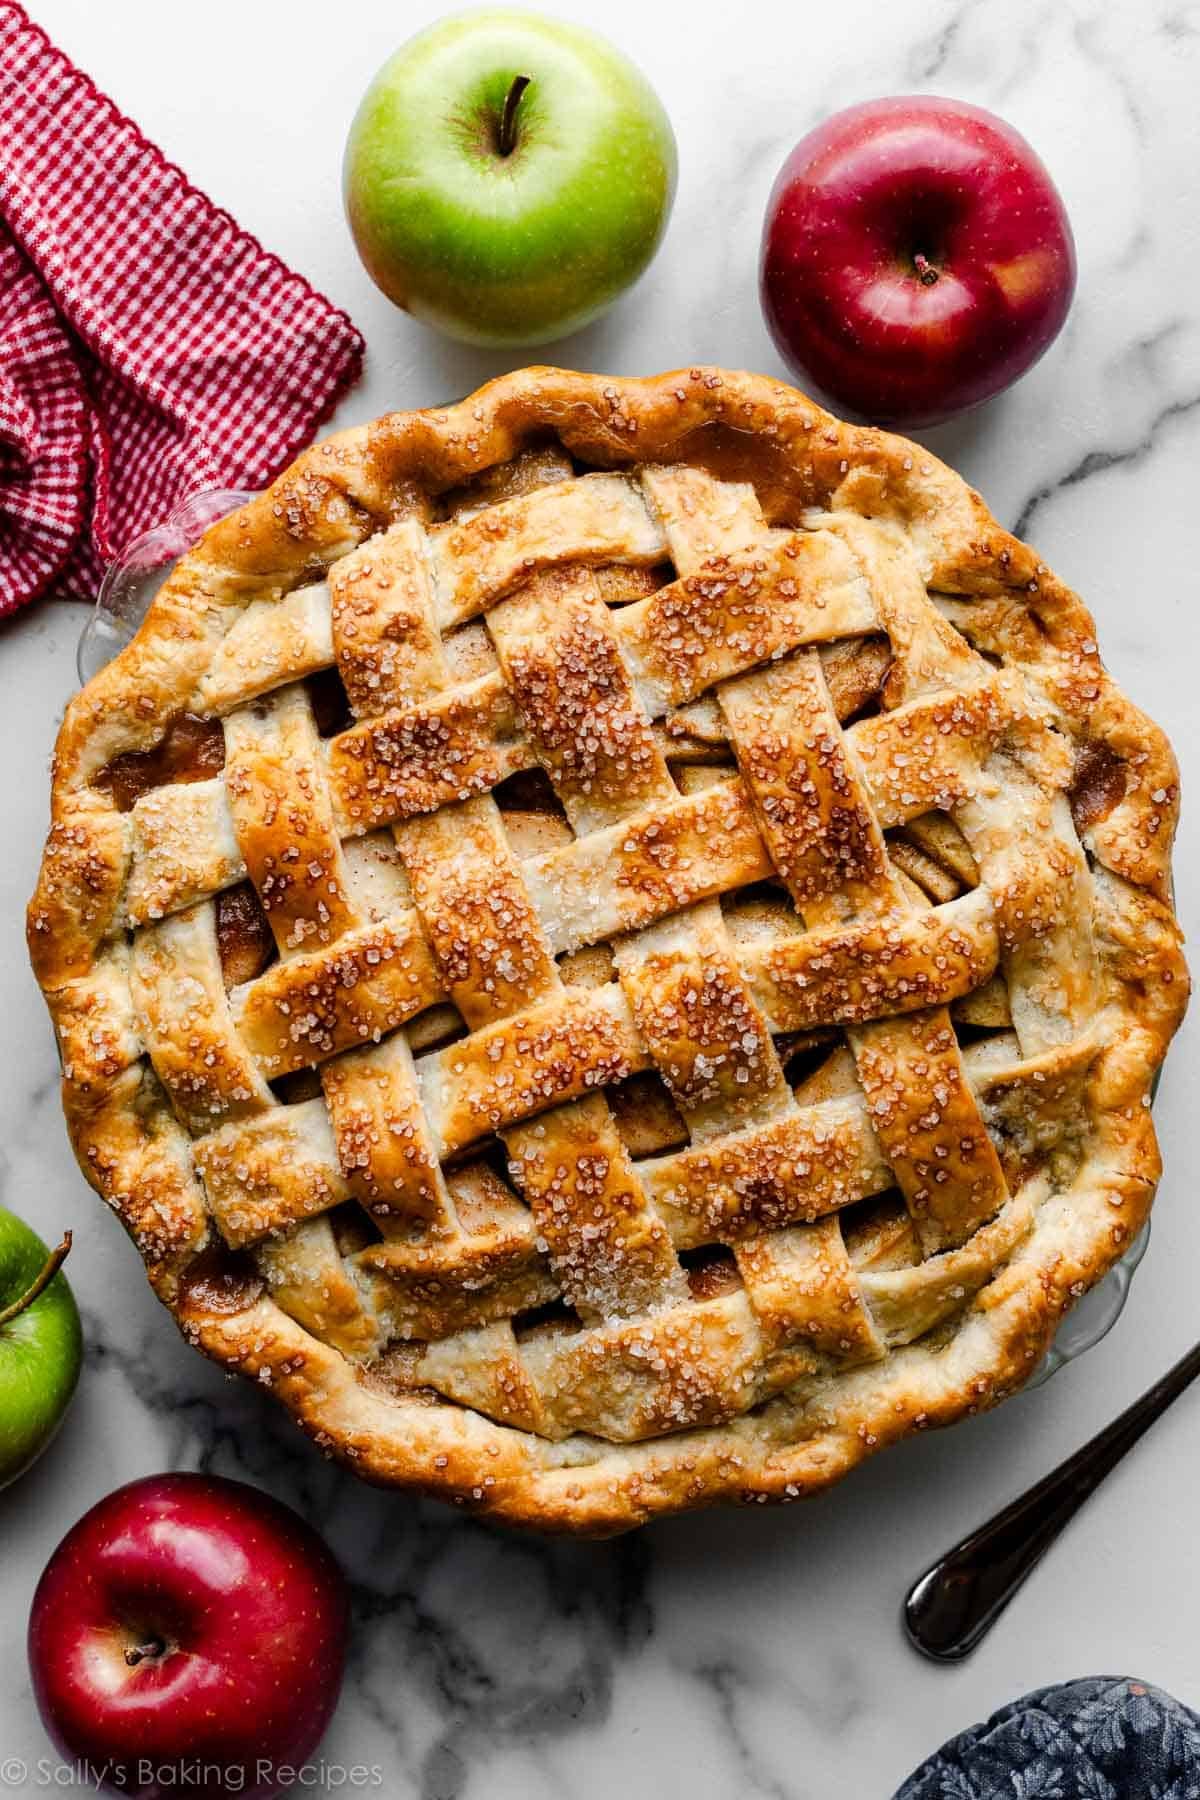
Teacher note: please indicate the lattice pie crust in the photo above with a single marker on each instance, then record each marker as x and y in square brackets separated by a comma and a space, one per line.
[610, 944]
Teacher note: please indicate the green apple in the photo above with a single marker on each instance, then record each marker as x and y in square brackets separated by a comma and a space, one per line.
[507, 176]
[41, 1345]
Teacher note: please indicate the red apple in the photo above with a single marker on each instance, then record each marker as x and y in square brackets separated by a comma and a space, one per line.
[916, 258]
[184, 1622]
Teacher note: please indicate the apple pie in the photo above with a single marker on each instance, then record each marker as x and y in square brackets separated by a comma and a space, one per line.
[610, 944]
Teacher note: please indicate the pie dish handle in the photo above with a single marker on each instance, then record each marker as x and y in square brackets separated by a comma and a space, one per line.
[1093, 1317]
[135, 576]
[130, 584]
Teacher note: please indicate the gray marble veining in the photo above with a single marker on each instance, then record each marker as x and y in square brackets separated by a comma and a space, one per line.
[752, 1653]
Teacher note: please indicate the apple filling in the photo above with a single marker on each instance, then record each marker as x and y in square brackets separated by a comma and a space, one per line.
[193, 749]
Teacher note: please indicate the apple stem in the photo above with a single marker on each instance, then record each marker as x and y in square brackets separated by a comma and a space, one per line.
[925, 269]
[507, 139]
[41, 1281]
[143, 1652]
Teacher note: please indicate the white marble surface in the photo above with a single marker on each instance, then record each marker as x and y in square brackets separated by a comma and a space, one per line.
[751, 1654]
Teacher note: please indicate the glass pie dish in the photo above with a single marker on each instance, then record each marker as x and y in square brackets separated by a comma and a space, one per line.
[129, 586]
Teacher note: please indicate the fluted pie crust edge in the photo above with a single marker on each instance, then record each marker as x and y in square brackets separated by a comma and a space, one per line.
[994, 590]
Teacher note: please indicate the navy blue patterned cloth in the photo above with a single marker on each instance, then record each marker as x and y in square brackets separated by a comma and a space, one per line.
[1106, 1738]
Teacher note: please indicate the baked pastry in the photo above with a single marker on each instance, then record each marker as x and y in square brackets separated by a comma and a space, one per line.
[610, 943]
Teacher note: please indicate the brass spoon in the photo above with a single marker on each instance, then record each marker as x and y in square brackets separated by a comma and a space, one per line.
[957, 1600]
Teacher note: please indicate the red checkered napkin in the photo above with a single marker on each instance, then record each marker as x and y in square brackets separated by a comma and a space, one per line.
[148, 346]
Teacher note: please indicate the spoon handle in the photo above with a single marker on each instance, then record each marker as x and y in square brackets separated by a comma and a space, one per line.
[958, 1599]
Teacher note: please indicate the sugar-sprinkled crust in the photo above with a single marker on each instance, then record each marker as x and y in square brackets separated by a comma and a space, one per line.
[691, 1022]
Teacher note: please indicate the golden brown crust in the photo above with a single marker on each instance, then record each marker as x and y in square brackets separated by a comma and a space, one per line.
[803, 1360]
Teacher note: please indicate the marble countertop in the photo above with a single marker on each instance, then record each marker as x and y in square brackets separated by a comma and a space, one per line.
[747, 1653]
